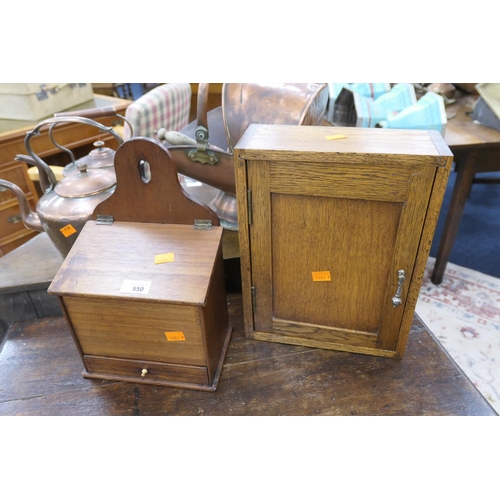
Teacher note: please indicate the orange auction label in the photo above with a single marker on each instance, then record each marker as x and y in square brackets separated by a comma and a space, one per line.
[321, 276]
[174, 336]
[164, 257]
[68, 230]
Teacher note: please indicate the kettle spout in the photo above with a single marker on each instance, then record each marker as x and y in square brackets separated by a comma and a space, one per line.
[30, 218]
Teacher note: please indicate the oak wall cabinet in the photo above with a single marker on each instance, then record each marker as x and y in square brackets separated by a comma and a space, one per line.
[335, 228]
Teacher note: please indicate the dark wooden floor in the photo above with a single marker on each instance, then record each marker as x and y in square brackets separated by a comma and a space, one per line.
[40, 374]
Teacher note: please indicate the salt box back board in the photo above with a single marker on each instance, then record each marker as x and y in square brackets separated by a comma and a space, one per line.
[335, 227]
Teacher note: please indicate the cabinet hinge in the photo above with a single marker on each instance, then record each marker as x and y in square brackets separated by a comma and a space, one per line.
[254, 302]
[106, 220]
[249, 203]
[203, 224]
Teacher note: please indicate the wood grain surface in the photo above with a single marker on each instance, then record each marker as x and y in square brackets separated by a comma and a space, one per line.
[378, 183]
[354, 209]
[261, 245]
[214, 320]
[242, 199]
[104, 256]
[433, 210]
[406, 246]
[462, 133]
[136, 329]
[349, 239]
[98, 366]
[162, 199]
[126, 288]
[41, 375]
[290, 143]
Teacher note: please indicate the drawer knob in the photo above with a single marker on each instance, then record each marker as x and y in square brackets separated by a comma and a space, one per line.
[396, 300]
[144, 372]
[15, 219]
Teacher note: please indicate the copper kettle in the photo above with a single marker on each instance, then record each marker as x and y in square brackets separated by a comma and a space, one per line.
[66, 205]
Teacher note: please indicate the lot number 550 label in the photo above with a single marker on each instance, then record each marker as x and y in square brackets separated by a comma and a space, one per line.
[134, 286]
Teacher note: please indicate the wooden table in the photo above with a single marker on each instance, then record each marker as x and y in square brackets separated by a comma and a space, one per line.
[77, 137]
[476, 148]
[40, 373]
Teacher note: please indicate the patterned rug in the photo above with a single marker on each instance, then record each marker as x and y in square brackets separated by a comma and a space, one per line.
[463, 313]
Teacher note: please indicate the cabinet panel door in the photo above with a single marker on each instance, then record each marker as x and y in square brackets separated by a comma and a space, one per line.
[327, 242]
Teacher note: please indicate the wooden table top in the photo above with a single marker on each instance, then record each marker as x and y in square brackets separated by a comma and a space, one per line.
[41, 375]
[461, 132]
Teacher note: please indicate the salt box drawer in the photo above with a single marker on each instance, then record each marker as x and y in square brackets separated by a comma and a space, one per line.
[147, 371]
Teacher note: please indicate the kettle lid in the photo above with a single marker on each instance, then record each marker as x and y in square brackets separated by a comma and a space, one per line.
[85, 182]
[101, 157]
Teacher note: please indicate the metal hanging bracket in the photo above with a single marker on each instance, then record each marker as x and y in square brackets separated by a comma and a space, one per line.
[201, 154]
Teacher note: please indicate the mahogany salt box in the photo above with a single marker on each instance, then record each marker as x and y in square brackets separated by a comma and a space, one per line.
[143, 287]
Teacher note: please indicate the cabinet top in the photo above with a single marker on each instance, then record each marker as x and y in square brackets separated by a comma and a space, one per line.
[282, 142]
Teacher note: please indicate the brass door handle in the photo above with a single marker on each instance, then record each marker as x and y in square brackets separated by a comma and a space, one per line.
[396, 300]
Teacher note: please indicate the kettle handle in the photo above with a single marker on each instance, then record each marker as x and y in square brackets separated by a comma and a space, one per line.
[47, 178]
[89, 113]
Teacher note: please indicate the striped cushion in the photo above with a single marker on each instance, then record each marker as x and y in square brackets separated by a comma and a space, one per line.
[167, 106]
